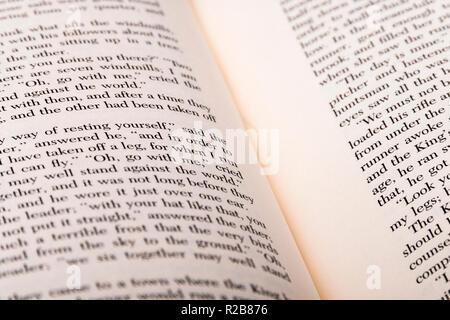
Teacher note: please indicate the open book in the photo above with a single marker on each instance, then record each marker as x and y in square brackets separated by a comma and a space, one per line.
[235, 149]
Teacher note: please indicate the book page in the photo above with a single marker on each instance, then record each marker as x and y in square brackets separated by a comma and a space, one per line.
[117, 179]
[360, 93]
